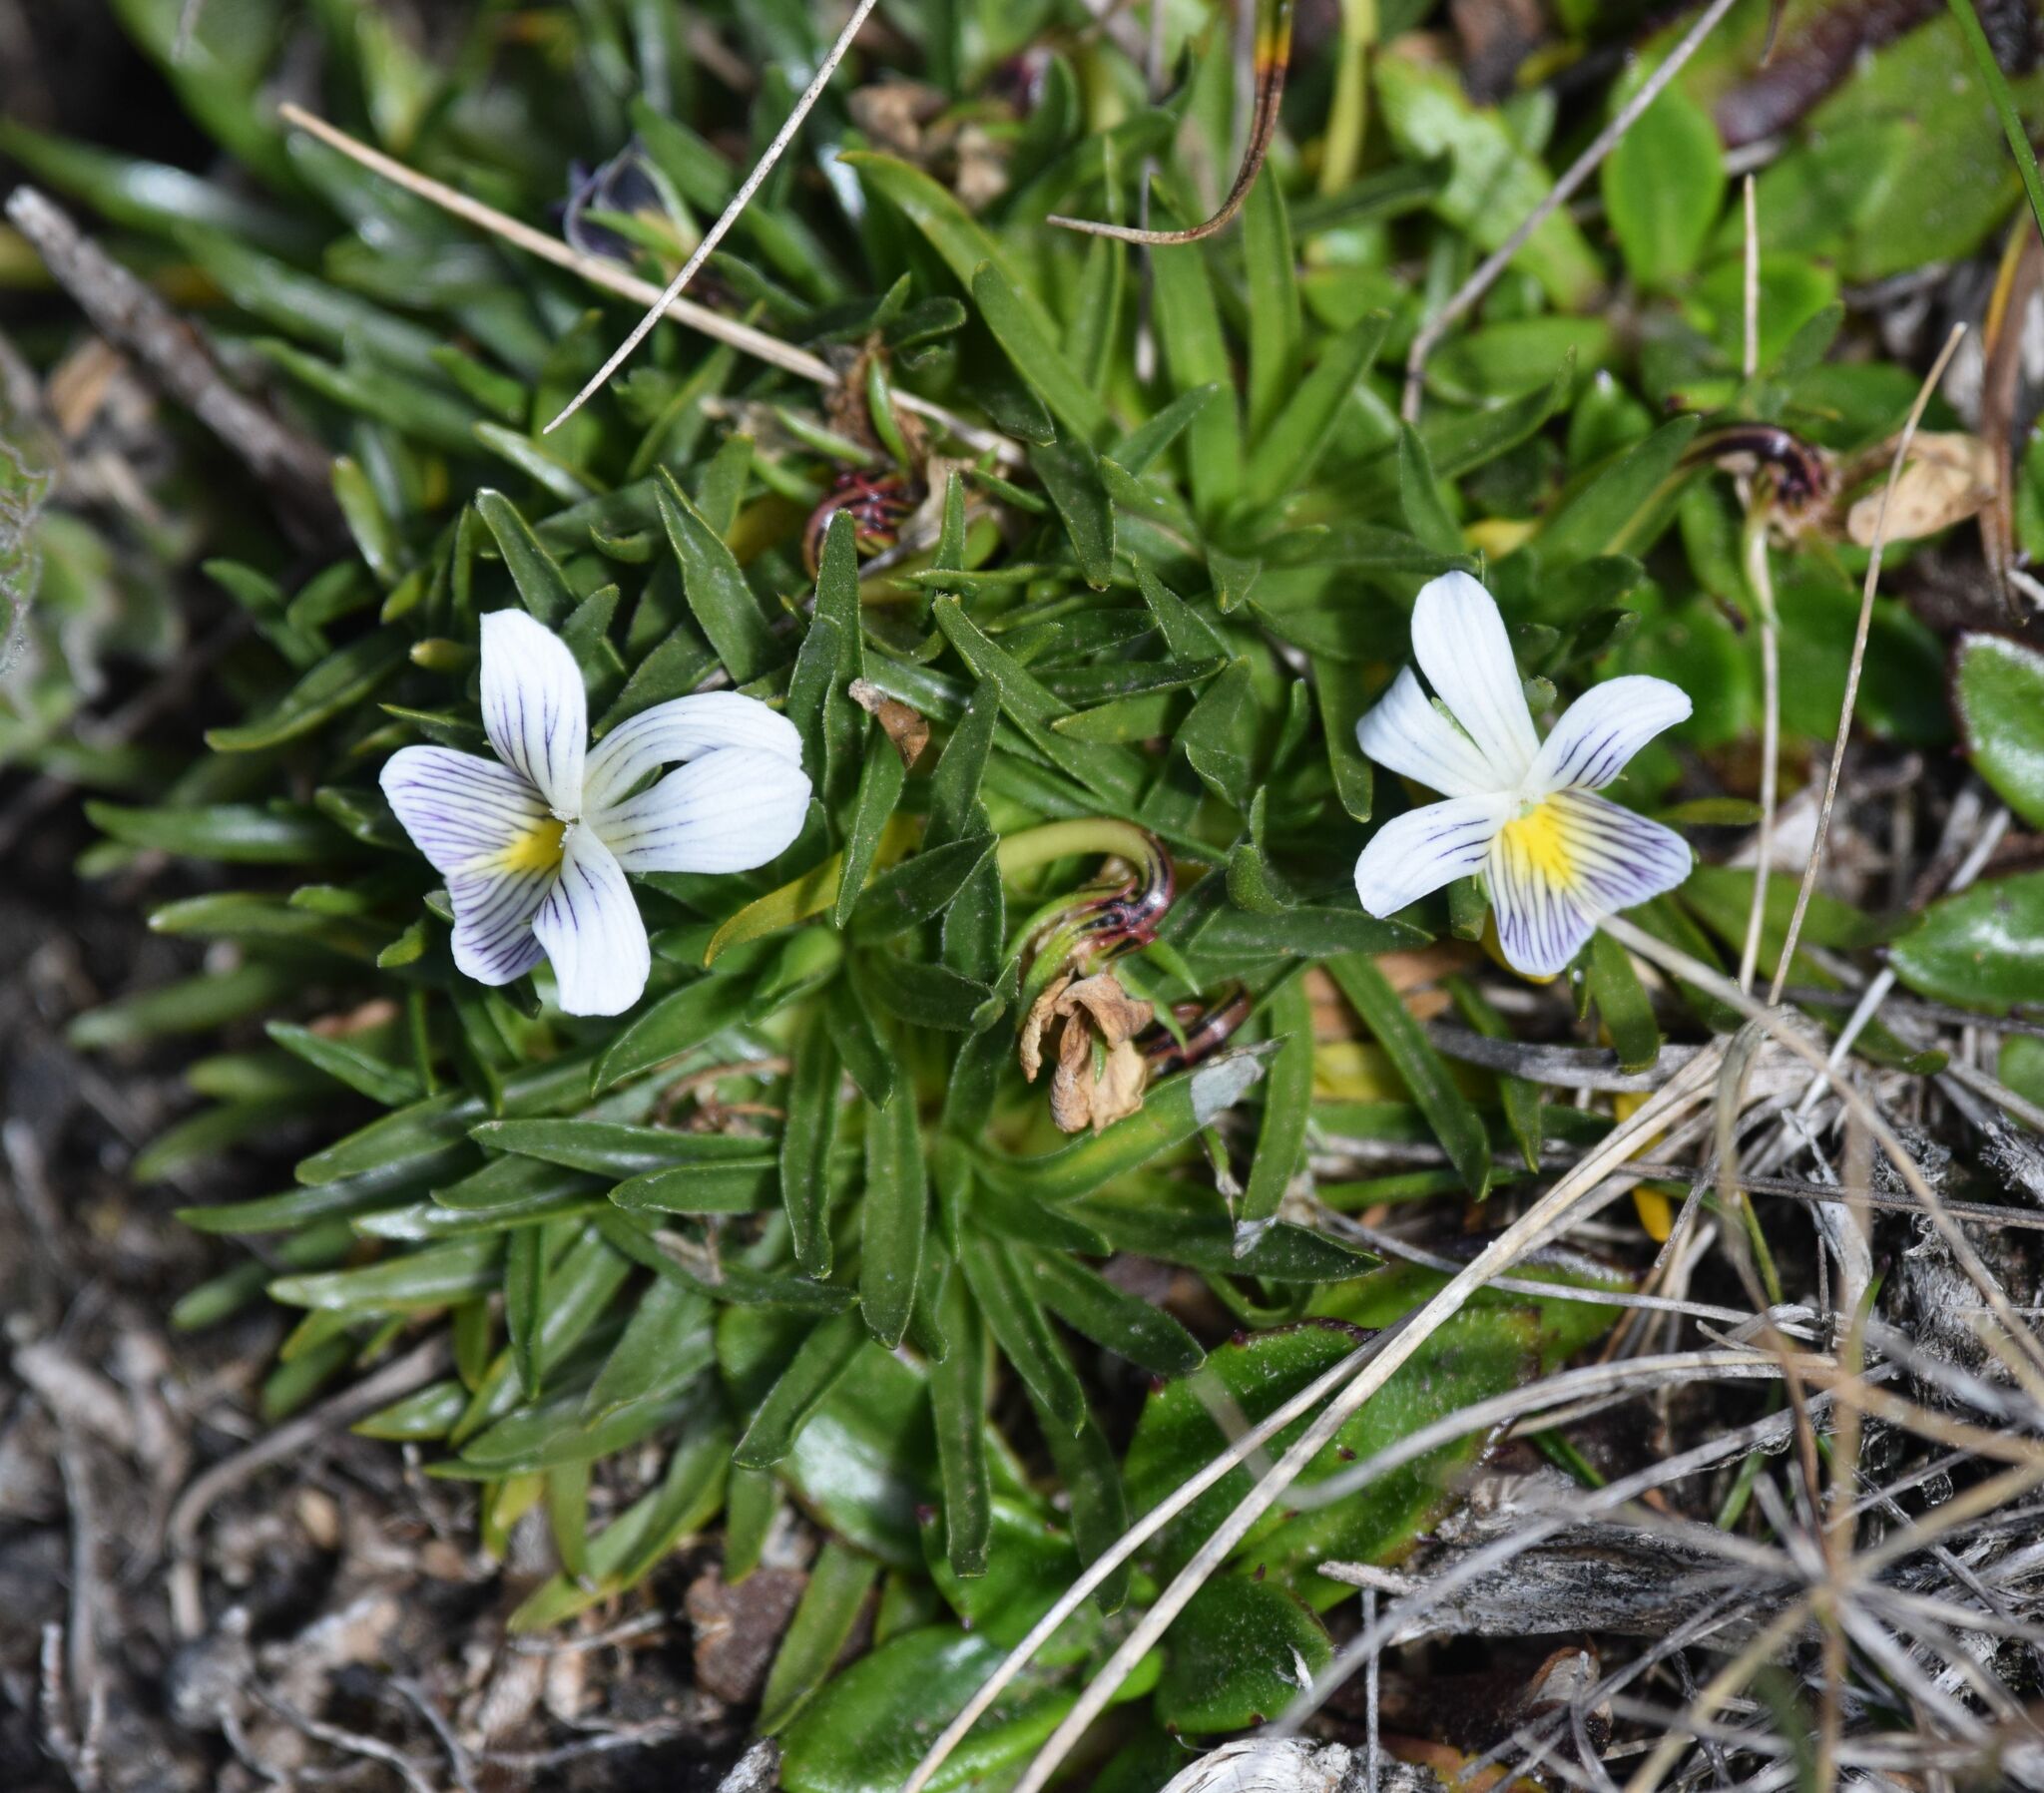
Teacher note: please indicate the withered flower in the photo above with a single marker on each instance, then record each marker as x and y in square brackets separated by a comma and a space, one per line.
[1088, 1087]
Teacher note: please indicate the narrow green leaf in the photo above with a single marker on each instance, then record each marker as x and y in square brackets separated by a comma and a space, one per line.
[1024, 1335]
[716, 587]
[892, 1216]
[1072, 476]
[611, 1147]
[881, 783]
[1291, 447]
[238, 834]
[1114, 1320]
[958, 1396]
[336, 683]
[1287, 1099]
[542, 586]
[1521, 1099]
[1276, 320]
[1420, 499]
[839, 1580]
[1623, 1003]
[362, 1071]
[678, 1024]
[806, 1140]
[525, 1269]
[818, 1361]
[1019, 328]
[1455, 1124]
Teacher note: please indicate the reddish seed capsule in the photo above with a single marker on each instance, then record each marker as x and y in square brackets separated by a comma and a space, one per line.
[878, 505]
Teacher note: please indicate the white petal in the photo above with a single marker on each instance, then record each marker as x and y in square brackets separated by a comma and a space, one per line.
[589, 927]
[1603, 729]
[1575, 859]
[493, 911]
[1459, 640]
[1405, 733]
[683, 729]
[726, 813]
[534, 707]
[1421, 851]
[459, 808]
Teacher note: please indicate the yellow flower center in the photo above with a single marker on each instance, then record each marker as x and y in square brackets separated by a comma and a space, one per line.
[536, 850]
[1538, 846]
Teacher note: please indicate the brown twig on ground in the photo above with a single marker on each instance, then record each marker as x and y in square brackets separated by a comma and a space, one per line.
[398, 1377]
[296, 471]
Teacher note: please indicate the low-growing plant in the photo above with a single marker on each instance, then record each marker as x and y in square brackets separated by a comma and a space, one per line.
[1007, 1030]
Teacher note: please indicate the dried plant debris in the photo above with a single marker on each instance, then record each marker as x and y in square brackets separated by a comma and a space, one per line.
[1003, 1025]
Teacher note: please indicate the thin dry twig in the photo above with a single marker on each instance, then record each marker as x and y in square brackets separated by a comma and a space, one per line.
[1682, 964]
[1858, 659]
[726, 218]
[1558, 196]
[1579, 1189]
[296, 470]
[599, 273]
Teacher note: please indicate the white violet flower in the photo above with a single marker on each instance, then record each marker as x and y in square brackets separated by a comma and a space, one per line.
[535, 849]
[1522, 811]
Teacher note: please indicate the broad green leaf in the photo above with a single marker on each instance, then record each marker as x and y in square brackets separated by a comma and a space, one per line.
[1998, 691]
[1030, 1562]
[1233, 1657]
[1496, 182]
[1664, 186]
[1983, 949]
[867, 1730]
[1480, 1352]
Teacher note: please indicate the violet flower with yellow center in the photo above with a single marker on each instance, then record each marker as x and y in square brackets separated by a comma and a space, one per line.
[1523, 812]
[535, 845]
